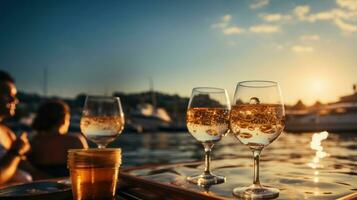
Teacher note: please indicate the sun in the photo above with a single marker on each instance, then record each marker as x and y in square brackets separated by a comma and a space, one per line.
[318, 89]
[318, 86]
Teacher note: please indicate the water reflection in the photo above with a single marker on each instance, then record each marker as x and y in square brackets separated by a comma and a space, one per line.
[161, 141]
[315, 163]
[316, 145]
[295, 163]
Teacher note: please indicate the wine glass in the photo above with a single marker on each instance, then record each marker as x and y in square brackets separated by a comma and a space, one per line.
[102, 119]
[256, 120]
[208, 120]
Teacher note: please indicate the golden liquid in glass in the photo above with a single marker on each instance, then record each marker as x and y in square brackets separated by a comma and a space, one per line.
[94, 183]
[207, 124]
[94, 173]
[257, 125]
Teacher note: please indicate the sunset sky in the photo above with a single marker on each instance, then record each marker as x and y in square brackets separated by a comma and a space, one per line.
[97, 47]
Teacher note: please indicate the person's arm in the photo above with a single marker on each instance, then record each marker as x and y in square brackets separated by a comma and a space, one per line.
[10, 162]
[8, 165]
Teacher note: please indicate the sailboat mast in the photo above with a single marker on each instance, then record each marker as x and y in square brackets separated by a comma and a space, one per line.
[153, 96]
[45, 84]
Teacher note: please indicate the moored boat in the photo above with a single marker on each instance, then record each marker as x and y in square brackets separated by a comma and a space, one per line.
[335, 117]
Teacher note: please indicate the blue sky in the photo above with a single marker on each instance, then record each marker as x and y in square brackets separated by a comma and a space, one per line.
[97, 47]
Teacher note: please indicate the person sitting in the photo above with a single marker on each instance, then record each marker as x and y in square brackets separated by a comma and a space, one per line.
[12, 148]
[51, 141]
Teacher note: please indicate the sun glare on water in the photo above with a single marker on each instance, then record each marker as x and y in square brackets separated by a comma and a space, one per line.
[315, 144]
[315, 164]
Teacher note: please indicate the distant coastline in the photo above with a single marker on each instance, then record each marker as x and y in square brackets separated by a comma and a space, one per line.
[334, 116]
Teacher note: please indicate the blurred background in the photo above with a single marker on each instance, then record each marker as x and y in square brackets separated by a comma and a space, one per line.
[155, 52]
[152, 53]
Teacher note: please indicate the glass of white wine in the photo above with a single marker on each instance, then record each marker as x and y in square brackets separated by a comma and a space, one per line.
[256, 120]
[102, 119]
[207, 120]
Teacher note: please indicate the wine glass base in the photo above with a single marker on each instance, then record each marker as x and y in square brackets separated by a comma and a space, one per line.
[256, 192]
[206, 179]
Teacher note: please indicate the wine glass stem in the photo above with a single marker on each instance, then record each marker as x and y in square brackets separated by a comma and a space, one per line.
[100, 146]
[208, 148]
[256, 155]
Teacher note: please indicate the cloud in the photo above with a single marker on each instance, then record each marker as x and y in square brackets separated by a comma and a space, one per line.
[302, 49]
[226, 27]
[326, 15]
[259, 4]
[310, 37]
[346, 15]
[349, 4]
[264, 28]
[342, 18]
[345, 26]
[275, 17]
[331, 15]
[225, 20]
[233, 30]
[301, 11]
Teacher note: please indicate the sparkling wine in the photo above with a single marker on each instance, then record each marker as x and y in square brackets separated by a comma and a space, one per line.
[103, 129]
[207, 124]
[257, 125]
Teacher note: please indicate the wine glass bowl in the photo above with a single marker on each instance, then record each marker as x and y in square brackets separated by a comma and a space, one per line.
[256, 120]
[102, 119]
[207, 124]
[256, 125]
[207, 121]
